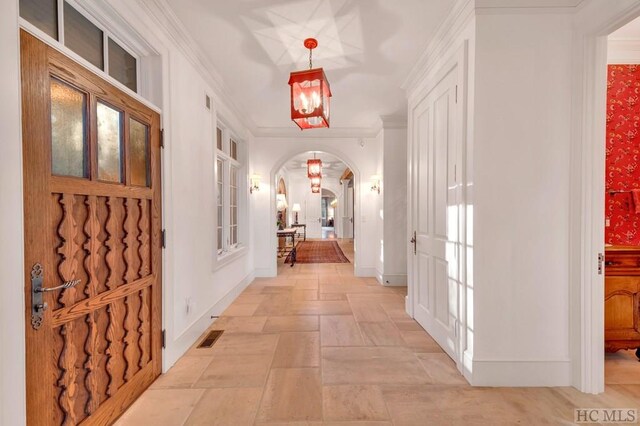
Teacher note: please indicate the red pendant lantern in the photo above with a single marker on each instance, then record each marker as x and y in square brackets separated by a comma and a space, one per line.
[314, 168]
[315, 185]
[310, 93]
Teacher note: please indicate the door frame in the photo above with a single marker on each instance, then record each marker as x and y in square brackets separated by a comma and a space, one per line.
[14, 403]
[458, 58]
[595, 22]
[40, 60]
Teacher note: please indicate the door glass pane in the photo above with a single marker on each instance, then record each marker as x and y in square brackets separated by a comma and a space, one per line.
[139, 153]
[81, 36]
[122, 66]
[41, 13]
[68, 130]
[109, 144]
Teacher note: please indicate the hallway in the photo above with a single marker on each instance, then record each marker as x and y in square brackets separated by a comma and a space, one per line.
[317, 345]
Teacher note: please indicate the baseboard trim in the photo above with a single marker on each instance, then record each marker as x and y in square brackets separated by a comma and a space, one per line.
[365, 272]
[519, 373]
[393, 280]
[176, 348]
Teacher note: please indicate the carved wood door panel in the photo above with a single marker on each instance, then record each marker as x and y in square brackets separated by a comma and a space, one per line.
[92, 215]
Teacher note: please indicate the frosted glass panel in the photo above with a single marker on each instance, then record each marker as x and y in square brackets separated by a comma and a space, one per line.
[81, 36]
[109, 144]
[41, 13]
[68, 135]
[139, 152]
[122, 66]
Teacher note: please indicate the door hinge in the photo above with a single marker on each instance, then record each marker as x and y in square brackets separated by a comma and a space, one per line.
[164, 339]
[161, 138]
[456, 93]
[600, 263]
[163, 238]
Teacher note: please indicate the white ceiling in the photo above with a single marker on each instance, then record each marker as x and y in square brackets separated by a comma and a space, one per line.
[332, 167]
[367, 48]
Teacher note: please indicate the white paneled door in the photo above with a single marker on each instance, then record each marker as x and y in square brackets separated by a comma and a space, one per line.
[313, 217]
[436, 197]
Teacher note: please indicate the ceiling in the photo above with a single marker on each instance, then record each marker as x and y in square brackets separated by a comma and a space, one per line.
[367, 48]
[332, 167]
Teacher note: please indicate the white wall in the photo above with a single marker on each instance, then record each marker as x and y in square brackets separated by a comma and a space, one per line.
[12, 386]
[269, 154]
[197, 277]
[521, 168]
[393, 195]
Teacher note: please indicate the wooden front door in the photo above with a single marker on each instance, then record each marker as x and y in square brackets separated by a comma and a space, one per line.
[92, 220]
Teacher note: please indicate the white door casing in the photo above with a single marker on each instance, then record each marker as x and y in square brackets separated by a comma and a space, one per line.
[437, 267]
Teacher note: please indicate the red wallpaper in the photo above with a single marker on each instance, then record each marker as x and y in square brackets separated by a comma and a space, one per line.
[623, 154]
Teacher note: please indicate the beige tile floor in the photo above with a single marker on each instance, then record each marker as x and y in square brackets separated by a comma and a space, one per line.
[318, 346]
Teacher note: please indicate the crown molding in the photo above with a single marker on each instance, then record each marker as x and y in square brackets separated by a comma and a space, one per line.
[393, 121]
[161, 12]
[459, 16]
[462, 11]
[330, 133]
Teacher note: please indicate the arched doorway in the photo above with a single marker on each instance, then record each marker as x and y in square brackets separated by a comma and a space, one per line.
[316, 216]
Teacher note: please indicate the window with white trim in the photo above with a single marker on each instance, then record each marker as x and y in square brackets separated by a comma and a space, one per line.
[230, 196]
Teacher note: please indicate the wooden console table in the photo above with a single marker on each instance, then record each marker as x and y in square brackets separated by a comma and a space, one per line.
[299, 234]
[287, 250]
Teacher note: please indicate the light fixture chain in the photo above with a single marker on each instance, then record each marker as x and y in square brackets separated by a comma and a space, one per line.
[310, 64]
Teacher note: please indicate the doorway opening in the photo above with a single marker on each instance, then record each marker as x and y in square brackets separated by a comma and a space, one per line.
[315, 226]
[328, 207]
[622, 209]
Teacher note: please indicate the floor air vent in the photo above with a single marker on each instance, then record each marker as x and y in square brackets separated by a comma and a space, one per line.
[211, 339]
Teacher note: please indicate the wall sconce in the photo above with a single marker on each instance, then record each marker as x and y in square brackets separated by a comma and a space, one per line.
[255, 183]
[375, 183]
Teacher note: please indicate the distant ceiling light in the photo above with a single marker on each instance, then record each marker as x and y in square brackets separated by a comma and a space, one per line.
[316, 183]
[314, 167]
[310, 94]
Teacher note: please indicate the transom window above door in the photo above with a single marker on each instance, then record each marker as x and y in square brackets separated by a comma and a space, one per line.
[75, 29]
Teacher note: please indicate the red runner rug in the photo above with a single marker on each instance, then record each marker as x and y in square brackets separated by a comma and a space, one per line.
[318, 252]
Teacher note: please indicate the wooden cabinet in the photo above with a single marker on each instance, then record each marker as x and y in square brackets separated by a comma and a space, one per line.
[622, 299]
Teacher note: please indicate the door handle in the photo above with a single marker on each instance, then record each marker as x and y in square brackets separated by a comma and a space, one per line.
[414, 241]
[67, 284]
[38, 305]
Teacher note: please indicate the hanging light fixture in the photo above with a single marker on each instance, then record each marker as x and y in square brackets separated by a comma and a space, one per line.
[315, 185]
[310, 93]
[314, 167]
